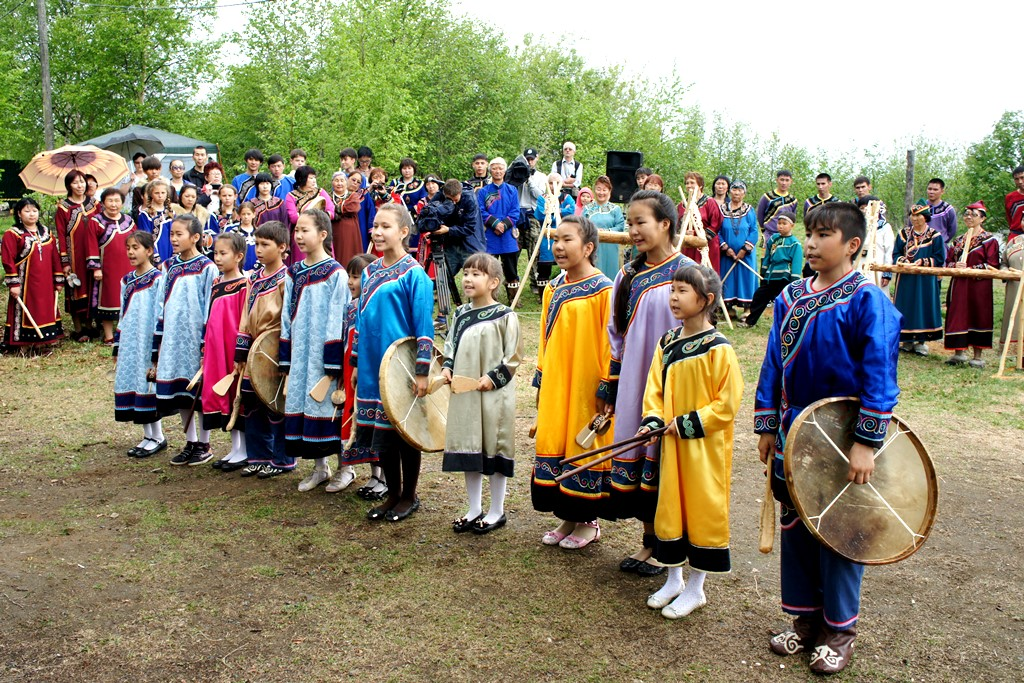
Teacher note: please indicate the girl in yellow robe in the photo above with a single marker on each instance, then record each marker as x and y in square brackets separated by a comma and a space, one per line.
[694, 387]
[572, 363]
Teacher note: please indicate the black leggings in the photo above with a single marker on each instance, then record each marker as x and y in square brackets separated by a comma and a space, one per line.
[510, 266]
[764, 295]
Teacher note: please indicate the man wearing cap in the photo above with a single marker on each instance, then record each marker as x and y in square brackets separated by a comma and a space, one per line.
[529, 228]
[499, 208]
[570, 170]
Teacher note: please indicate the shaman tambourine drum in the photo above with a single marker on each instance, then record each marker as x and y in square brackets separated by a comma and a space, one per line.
[262, 368]
[422, 422]
[882, 521]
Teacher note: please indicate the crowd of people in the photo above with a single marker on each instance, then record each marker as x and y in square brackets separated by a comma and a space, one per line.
[183, 276]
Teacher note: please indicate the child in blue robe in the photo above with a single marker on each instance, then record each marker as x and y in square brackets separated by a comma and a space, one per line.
[183, 301]
[836, 334]
[312, 346]
[134, 393]
[396, 301]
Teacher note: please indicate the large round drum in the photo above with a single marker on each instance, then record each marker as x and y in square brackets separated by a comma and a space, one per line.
[883, 521]
[262, 368]
[421, 421]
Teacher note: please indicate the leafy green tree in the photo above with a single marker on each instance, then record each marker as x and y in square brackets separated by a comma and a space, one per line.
[989, 164]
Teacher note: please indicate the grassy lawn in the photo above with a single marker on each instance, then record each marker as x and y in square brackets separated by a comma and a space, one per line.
[123, 570]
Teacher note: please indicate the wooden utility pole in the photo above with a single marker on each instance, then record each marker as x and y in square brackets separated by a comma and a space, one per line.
[908, 196]
[44, 70]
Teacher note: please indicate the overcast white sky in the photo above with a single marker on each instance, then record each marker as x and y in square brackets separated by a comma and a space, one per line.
[944, 70]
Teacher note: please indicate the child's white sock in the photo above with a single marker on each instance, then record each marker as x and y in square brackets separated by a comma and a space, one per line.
[145, 435]
[188, 423]
[499, 482]
[238, 452]
[156, 430]
[695, 586]
[475, 492]
[321, 464]
[673, 586]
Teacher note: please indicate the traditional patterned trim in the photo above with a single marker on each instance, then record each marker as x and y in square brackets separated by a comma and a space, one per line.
[133, 284]
[650, 278]
[565, 291]
[689, 426]
[803, 305]
[424, 355]
[263, 283]
[305, 276]
[871, 427]
[177, 269]
[376, 274]
[766, 421]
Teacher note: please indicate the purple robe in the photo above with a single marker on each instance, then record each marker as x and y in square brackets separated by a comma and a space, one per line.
[648, 317]
[943, 220]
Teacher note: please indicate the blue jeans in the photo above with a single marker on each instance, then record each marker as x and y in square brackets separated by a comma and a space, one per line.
[264, 440]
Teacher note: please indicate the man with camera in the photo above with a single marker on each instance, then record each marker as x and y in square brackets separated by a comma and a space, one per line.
[523, 174]
[452, 217]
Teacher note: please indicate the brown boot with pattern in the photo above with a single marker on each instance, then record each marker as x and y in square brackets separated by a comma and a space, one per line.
[833, 650]
[800, 638]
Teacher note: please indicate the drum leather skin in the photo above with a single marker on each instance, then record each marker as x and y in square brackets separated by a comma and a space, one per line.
[422, 422]
[262, 370]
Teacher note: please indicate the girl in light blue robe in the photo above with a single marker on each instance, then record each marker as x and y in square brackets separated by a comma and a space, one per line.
[183, 300]
[134, 393]
[396, 301]
[313, 346]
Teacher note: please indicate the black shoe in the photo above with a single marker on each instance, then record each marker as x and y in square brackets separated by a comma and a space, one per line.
[648, 569]
[365, 491]
[201, 454]
[271, 471]
[186, 453]
[482, 528]
[252, 469]
[462, 525]
[630, 565]
[133, 452]
[393, 516]
[147, 452]
[231, 466]
[378, 513]
[217, 464]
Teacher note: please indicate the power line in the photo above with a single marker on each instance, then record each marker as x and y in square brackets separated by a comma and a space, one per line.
[13, 8]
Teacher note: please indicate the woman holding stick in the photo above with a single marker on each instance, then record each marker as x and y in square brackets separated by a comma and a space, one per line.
[640, 316]
[738, 237]
[917, 296]
[1013, 257]
[34, 277]
[969, 319]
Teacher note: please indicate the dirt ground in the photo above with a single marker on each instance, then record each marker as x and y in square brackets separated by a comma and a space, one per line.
[121, 570]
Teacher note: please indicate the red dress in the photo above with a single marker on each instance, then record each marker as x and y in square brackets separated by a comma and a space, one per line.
[32, 261]
[345, 227]
[111, 236]
[711, 218]
[226, 302]
[969, 315]
[346, 377]
[79, 250]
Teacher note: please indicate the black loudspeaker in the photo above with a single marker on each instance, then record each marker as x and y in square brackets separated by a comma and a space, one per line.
[621, 169]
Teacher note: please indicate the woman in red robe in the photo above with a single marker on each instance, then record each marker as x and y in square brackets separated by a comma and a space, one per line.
[110, 230]
[710, 217]
[348, 240]
[33, 273]
[969, 317]
[78, 252]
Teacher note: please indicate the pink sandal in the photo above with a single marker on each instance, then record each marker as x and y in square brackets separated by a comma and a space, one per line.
[574, 542]
[553, 537]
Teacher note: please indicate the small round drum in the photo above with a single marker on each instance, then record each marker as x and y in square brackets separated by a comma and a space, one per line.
[421, 421]
[262, 369]
[883, 521]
